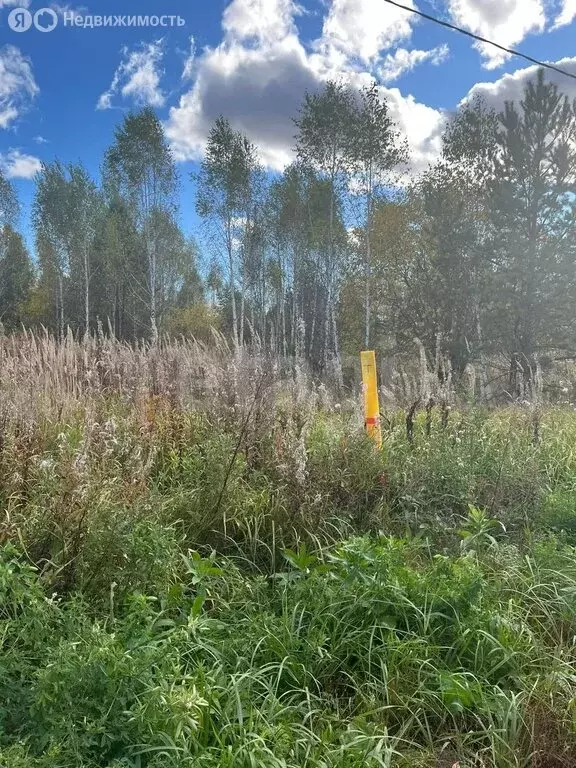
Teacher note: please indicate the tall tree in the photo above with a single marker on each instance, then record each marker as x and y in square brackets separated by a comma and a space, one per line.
[16, 278]
[289, 218]
[225, 200]
[117, 257]
[66, 214]
[376, 150]
[140, 168]
[9, 205]
[449, 267]
[177, 270]
[323, 144]
[51, 224]
[16, 272]
[83, 208]
[534, 216]
[436, 265]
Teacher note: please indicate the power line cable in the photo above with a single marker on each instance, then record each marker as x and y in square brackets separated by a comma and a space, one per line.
[454, 28]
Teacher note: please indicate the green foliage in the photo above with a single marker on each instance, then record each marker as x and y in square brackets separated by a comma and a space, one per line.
[375, 651]
[181, 589]
[494, 216]
[559, 513]
[196, 321]
[479, 530]
[16, 278]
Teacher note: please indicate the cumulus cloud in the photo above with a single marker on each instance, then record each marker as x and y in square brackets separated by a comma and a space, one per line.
[260, 90]
[506, 22]
[263, 21]
[566, 15]
[17, 85]
[18, 3]
[422, 125]
[396, 64]
[17, 165]
[137, 79]
[363, 28]
[259, 73]
[510, 87]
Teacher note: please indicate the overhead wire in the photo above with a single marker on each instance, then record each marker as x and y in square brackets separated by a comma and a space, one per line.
[462, 31]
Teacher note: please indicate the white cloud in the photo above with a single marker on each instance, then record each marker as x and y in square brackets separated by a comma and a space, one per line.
[263, 21]
[17, 85]
[188, 73]
[18, 3]
[420, 124]
[510, 87]
[17, 165]
[257, 77]
[40, 140]
[361, 29]
[394, 65]
[566, 15]
[506, 22]
[62, 8]
[7, 115]
[258, 89]
[137, 78]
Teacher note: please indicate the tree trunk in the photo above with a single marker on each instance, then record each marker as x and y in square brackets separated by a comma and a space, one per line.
[61, 307]
[368, 265]
[337, 360]
[231, 281]
[86, 292]
[327, 314]
[242, 309]
[313, 328]
[152, 278]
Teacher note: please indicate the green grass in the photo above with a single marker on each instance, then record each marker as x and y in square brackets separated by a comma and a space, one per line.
[183, 588]
[370, 653]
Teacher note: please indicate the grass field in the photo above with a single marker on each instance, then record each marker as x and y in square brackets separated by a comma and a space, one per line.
[205, 563]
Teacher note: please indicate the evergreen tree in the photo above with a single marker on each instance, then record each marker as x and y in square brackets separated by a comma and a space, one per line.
[16, 278]
[533, 210]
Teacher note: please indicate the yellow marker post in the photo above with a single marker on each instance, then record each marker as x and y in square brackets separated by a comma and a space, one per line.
[371, 403]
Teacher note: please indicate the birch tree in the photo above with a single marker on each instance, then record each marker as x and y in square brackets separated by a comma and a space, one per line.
[323, 144]
[9, 206]
[376, 149]
[82, 209]
[140, 167]
[224, 201]
[50, 219]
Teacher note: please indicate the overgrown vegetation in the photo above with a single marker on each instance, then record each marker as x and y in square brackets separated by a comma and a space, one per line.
[347, 247]
[205, 563]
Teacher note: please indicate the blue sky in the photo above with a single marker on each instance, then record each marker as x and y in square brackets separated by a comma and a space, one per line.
[63, 92]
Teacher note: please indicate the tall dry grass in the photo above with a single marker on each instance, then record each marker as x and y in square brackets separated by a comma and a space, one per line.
[40, 376]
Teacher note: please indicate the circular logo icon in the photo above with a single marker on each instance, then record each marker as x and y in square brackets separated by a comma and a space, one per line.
[45, 20]
[20, 20]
